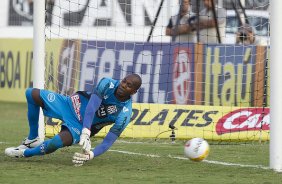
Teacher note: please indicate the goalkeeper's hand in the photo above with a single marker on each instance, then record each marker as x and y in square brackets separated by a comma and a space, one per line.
[80, 158]
[85, 140]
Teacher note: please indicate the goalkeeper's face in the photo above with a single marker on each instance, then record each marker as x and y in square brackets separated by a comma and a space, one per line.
[129, 85]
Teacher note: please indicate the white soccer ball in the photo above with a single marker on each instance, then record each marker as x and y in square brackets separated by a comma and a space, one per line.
[196, 149]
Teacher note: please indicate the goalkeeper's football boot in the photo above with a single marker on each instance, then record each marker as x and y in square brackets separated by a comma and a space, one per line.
[14, 152]
[26, 144]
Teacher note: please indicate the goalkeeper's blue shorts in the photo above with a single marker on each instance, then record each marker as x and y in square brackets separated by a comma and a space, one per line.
[57, 106]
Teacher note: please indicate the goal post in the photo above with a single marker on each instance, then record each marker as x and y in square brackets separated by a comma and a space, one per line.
[39, 54]
[275, 87]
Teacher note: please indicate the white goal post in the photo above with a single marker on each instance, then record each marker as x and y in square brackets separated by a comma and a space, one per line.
[39, 53]
[275, 86]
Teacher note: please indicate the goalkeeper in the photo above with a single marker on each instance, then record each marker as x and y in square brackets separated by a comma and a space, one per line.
[83, 114]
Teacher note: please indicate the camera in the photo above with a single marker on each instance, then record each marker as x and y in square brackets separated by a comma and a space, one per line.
[243, 35]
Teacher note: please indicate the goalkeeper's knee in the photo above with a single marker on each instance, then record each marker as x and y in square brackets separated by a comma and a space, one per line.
[28, 95]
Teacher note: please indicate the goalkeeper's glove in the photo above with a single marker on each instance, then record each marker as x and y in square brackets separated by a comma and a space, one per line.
[80, 158]
[85, 140]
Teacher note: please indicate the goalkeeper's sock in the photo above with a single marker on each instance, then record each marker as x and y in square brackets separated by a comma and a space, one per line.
[48, 146]
[32, 115]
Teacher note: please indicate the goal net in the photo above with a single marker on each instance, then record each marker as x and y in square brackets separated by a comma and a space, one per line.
[211, 82]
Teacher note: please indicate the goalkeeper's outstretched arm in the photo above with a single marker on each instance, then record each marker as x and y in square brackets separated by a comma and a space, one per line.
[80, 158]
[91, 108]
[105, 145]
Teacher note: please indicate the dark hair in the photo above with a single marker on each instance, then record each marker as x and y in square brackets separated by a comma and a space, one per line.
[138, 81]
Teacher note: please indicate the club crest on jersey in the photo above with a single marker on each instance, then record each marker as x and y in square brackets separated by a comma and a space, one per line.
[124, 109]
[104, 111]
[51, 97]
[111, 85]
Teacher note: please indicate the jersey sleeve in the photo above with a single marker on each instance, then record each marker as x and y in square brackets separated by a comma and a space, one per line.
[122, 120]
[90, 110]
[105, 145]
[102, 87]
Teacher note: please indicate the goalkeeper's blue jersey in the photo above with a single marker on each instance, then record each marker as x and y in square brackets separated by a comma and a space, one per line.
[111, 110]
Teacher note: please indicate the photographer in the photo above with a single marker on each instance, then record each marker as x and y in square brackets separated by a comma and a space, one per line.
[180, 29]
[245, 35]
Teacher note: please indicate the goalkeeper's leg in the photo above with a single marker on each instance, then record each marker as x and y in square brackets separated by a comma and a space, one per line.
[33, 104]
[64, 138]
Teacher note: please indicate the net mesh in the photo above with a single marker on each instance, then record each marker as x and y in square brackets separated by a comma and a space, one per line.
[214, 85]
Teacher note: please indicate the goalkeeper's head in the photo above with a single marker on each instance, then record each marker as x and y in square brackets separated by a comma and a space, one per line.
[129, 86]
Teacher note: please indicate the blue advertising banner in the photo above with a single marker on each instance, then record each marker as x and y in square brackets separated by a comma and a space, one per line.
[220, 75]
[166, 69]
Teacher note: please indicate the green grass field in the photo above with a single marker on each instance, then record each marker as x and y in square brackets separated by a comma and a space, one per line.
[131, 161]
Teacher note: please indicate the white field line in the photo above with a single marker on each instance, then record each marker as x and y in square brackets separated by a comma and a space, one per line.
[132, 142]
[224, 163]
[183, 158]
[133, 153]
